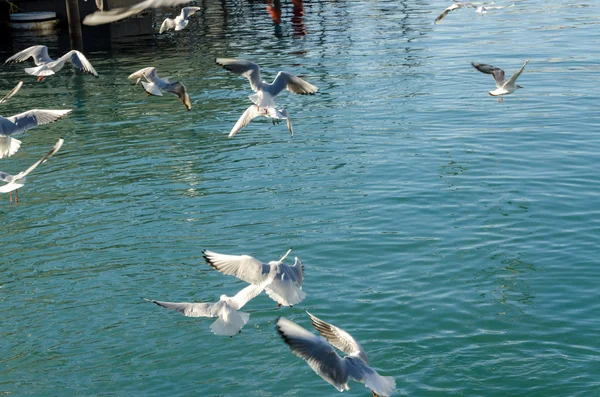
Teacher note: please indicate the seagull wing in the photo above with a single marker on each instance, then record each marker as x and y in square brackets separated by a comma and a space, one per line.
[288, 81]
[244, 267]
[338, 338]
[51, 153]
[452, 7]
[187, 12]
[498, 7]
[285, 114]
[186, 308]
[12, 92]
[167, 24]
[251, 113]
[38, 52]
[149, 73]
[489, 69]
[317, 353]
[78, 60]
[245, 68]
[286, 287]
[514, 77]
[238, 301]
[27, 120]
[103, 17]
[4, 177]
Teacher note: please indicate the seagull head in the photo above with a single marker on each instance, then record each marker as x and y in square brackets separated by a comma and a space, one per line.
[520, 86]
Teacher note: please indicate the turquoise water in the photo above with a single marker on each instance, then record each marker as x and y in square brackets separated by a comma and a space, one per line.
[456, 238]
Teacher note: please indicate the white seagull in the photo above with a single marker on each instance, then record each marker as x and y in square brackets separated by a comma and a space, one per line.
[14, 182]
[254, 111]
[503, 87]
[22, 122]
[154, 84]
[284, 282]
[12, 92]
[46, 66]
[102, 17]
[321, 356]
[180, 21]
[230, 321]
[265, 92]
[479, 8]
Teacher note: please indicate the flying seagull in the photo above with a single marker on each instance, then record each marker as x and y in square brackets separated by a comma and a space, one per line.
[276, 115]
[102, 17]
[503, 87]
[321, 356]
[286, 285]
[230, 321]
[22, 122]
[46, 66]
[14, 182]
[479, 8]
[265, 92]
[180, 21]
[154, 84]
[12, 92]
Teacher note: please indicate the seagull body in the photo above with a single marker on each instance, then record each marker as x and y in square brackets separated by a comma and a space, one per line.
[12, 92]
[230, 321]
[154, 84]
[265, 92]
[254, 111]
[102, 17]
[283, 282]
[46, 66]
[483, 9]
[321, 356]
[14, 182]
[180, 21]
[503, 87]
[22, 122]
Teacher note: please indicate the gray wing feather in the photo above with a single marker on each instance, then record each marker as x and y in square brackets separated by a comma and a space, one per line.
[244, 267]
[103, 17]
[79, 60]
[12, 92]
[489, 69]
[38, 52]
[27, 120]
[245, 68]
[250, 114]
[187, 12]
[245, 295]
[317, 353]
[186, 308]
[167, 24]
[514, 77]
[292, 83]
[51, 153]
[338, 338]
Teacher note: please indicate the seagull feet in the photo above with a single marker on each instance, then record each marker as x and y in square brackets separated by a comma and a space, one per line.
[499, 99]
[278, 305]
[10, 198]
[40, 78]
[17, 196]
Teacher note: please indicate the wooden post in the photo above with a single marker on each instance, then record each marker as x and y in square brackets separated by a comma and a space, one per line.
[74, 24]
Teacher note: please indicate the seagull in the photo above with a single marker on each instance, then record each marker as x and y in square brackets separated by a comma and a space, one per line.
[102, 17]
[323, 359]
[230, 321]
[46, 66]
[180, 21]
[12, 92]
[284, 282]
[503, 87]
[479, 8]
[254, 111]
[14, 182]
[22, 122]
[265, 92]
[154, 84]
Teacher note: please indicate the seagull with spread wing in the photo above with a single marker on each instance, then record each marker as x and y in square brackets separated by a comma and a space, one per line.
[276, 115]
[116, 14]
[22, 122]
[180, 21]
[321, 356]
[46, 66]
[154, 84]
[265, 92]
[503, 87]
[479, 8]
[283, 282]
[14, 182]
[230, 320]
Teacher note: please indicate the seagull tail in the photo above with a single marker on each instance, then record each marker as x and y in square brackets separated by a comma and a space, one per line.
[381, 385]
[9, 146]
[230, 326]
